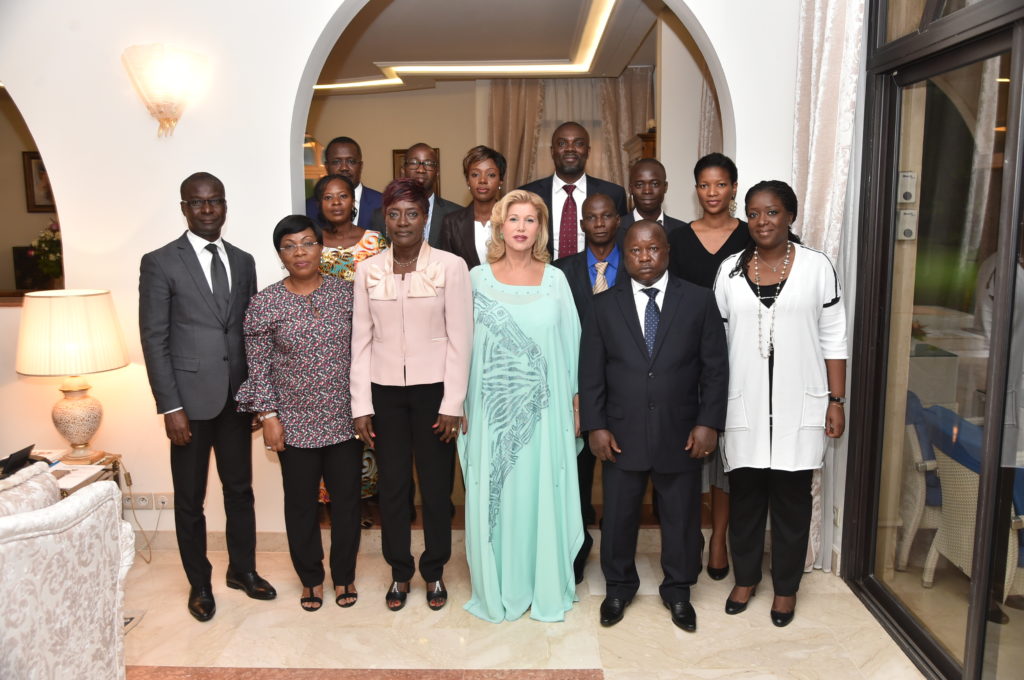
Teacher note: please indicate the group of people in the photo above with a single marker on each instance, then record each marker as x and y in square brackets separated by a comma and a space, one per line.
[696, 356]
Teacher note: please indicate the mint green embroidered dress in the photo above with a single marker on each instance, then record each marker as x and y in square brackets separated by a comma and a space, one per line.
[523, 524]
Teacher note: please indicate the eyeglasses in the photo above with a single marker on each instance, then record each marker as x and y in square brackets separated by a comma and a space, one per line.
[305, 245]
[338, 162]
[415, 163]
[197, 203]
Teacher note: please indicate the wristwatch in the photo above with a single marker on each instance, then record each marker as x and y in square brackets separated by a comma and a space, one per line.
[837, 400]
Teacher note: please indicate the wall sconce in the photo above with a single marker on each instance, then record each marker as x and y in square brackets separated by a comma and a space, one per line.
[166, 77]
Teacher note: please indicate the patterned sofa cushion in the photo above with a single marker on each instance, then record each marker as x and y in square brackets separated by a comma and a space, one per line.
[30, 488]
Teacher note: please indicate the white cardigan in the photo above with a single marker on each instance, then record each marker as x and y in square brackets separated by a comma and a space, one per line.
[810, 326]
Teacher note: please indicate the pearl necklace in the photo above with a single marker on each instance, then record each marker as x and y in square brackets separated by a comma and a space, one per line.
[775, 299]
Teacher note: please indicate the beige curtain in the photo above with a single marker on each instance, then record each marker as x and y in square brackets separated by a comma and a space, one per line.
[828, 71]
[627, 103]
[517, 107]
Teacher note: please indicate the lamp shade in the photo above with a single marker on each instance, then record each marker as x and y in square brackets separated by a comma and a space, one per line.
[69, 332]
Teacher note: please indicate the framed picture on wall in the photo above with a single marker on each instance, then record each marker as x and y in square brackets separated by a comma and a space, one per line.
[38, 196]
[398, 160]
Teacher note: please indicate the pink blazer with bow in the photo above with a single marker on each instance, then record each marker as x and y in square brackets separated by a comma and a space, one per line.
[415, 330]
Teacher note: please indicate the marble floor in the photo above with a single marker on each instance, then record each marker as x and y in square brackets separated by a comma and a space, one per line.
[833, 636]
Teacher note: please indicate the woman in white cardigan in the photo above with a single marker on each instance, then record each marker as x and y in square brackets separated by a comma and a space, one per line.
[786, 328]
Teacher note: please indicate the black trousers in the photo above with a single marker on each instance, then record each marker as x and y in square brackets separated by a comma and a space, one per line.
[679, 498]
[402, 421]
[229, 435]
[754, 495]
[341, 467]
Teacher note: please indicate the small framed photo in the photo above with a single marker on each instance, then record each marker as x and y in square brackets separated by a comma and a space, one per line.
[38, 195]
[398, 160]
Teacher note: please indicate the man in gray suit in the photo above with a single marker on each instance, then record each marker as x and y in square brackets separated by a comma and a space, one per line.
[421, 164]
[193, 294]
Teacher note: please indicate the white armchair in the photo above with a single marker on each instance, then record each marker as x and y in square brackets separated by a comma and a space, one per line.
[64, 567]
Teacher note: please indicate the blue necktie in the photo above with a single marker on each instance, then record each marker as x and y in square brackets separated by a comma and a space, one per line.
[651, 316]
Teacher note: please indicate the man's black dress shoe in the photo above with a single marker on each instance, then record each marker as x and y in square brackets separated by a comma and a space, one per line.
[254, 585]
[201, 604]
[683, 615]
[612, 610]
[579, 565]
[782, 619]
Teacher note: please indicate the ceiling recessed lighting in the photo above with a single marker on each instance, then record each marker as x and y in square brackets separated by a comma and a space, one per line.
[593, 31]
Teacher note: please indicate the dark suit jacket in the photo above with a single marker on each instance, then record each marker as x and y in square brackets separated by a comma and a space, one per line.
[543, 186]
[369, 203]
[457, 235]
[195, 357]
[575, 269]
[671, 224]
[441, 208]
[651, 403]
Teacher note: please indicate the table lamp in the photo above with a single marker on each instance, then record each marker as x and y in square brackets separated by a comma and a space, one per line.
[71, 333]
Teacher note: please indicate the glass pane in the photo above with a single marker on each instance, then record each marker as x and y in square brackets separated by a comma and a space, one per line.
[951, 6]
[902, 17]
[1004, 638]
[946, 224]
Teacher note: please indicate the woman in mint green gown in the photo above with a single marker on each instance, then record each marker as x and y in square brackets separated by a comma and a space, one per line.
[523, 523]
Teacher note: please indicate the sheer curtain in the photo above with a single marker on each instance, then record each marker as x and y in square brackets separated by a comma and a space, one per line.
[517, 106]
[829, 64]
[710, 133]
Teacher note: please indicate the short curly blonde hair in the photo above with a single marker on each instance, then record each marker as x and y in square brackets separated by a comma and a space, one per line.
[496, 245]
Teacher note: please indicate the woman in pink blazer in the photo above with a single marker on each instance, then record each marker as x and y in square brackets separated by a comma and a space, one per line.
[412, 332]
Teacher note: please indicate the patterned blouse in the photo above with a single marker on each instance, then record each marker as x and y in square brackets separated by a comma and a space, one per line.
[299, 353]
[341, 262]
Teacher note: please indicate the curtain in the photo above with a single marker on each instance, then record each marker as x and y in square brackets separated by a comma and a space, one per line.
[517, 106]
[710, 133]
[829, 64]
[828, 71]
[627, 103]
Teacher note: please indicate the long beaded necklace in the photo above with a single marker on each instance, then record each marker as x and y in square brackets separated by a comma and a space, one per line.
[775, 298]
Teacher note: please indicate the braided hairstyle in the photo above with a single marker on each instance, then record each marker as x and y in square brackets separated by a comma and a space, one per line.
[785, 194]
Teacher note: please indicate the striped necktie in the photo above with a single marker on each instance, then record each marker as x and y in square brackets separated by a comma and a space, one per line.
[600, 282]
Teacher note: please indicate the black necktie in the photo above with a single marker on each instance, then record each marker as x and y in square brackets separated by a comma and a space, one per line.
[651, 316]
[219, 278]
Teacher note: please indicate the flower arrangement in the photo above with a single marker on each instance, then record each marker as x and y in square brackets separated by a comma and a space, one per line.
[46, 249]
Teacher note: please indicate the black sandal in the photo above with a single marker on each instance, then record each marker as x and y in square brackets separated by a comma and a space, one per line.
[396, 596]
[346, 594]
[436, 591]
[307, 603]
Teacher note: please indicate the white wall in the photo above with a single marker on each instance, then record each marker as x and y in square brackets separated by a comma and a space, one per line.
[116, 183]
[750, 47]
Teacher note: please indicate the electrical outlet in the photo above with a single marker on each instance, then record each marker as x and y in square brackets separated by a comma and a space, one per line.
[163, 501]
[126, 502]
[143, 501]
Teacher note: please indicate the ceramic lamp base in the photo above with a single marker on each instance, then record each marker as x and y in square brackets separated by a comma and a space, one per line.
[77, 417]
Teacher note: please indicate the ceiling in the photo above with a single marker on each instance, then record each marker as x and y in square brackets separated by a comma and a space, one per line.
[414, 32]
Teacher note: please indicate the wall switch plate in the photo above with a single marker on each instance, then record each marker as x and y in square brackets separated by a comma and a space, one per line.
[906, 225]
[906, 188]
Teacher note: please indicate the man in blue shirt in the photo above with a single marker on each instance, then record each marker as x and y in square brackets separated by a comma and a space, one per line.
[590, 272]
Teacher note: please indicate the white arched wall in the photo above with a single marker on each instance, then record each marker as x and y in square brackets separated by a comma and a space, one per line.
[117, 183]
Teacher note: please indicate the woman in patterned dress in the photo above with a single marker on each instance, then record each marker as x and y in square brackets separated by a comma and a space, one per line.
[345, 246]
[298, 345]
[523, 522]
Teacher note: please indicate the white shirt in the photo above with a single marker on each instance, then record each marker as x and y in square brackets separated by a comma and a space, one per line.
[481, 235]
[430, 211]
[640, 298]
[660, 219]
[206, 257]
[357, 195]
[558, 196]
